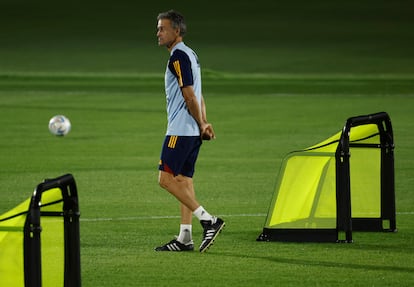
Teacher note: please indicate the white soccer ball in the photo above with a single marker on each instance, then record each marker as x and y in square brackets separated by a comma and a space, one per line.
[59, 125]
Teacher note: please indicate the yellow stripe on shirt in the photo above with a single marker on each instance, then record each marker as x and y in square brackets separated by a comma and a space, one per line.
[177, 69]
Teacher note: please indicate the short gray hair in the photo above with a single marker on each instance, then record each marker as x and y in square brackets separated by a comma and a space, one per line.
[176, 18]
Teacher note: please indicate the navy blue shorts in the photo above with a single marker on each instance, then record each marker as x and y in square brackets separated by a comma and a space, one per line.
[179, 155]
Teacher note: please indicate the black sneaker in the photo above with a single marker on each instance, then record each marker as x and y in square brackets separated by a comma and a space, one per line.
[211, 230]
[175, 245]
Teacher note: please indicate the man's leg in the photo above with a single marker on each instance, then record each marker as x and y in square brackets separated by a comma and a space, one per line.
[186, 229]
[182, 188]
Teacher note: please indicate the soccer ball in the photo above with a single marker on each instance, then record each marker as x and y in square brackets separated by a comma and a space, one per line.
[59, 125]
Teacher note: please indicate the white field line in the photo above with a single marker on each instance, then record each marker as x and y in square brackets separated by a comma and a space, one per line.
[154, 217]
[131, 218]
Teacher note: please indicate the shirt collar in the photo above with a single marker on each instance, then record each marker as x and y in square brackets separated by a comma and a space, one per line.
[177, 46]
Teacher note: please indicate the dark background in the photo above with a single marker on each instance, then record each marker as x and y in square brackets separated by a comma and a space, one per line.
[237, 36]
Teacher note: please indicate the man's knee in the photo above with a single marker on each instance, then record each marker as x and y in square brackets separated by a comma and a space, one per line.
[164, 179]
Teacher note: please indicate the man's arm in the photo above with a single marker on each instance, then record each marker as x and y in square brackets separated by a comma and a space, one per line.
[203, 109]
[198, 113]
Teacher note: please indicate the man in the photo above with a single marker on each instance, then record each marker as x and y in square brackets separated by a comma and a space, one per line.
[187, 127]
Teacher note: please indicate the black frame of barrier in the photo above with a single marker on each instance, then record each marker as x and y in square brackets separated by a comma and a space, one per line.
[32, 232]
[345, 221]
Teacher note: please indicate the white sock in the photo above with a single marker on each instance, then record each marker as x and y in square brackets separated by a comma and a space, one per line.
[202, 214]
[185, 235]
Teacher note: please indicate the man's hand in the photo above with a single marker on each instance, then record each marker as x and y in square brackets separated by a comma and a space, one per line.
[207, 132]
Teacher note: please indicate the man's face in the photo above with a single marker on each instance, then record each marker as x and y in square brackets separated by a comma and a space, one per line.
[166, 34]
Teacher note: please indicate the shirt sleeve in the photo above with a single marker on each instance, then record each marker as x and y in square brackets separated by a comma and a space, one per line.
[180, 66]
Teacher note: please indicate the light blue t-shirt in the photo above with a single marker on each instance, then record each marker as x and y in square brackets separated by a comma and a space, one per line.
[183, 70]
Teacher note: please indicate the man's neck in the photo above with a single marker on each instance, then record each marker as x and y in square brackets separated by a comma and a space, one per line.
[177, 40]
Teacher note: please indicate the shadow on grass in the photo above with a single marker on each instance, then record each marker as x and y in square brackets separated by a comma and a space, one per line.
[269, 257]
[292, 261]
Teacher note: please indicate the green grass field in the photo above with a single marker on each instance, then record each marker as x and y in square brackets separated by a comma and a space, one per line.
[306, 69]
